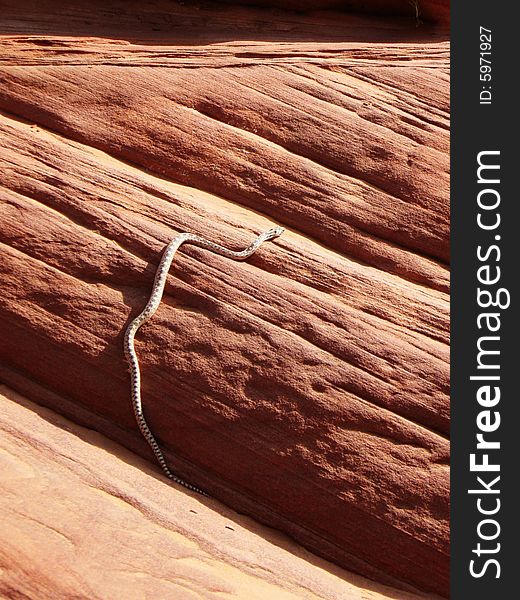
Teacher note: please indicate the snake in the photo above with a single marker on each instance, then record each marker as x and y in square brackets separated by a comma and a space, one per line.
[149, 310]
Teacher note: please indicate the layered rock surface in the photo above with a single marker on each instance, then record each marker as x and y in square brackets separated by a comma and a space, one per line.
[96, 521]
[307, 387]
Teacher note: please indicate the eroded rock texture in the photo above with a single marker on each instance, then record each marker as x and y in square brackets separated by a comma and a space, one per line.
[307, 387]
[95, 521]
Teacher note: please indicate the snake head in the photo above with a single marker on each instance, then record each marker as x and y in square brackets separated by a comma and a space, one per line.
[270, 234]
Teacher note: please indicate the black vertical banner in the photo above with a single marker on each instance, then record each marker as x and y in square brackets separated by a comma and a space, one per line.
[485, 357]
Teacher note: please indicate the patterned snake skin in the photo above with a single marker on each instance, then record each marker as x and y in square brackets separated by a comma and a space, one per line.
[149, 310]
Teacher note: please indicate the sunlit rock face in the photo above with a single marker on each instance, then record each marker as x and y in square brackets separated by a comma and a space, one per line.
[306, 387]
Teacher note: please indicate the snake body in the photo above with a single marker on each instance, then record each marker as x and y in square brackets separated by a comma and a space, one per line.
[148, 312]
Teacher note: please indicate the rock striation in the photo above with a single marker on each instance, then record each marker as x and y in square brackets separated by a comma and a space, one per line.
[307, 387]
[84, 518]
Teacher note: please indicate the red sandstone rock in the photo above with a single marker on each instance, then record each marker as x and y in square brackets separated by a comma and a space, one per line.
[430, 10]
[307, 387]
[116, 530]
